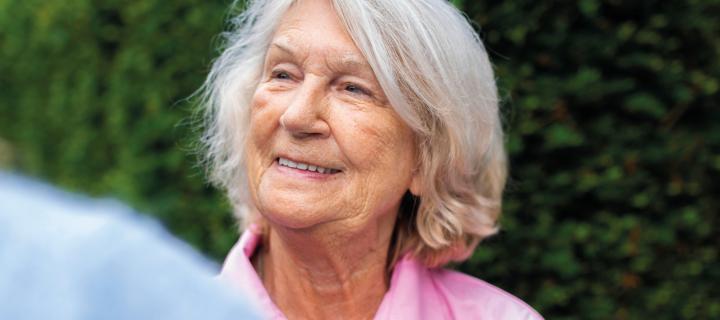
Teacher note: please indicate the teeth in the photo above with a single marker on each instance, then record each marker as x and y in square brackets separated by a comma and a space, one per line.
[305, 166]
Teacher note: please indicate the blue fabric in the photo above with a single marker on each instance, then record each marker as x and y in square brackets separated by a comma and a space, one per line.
[63, 256]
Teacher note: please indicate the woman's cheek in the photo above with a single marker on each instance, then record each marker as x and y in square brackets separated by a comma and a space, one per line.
[261, 97]
[367, 137]
[266, 109]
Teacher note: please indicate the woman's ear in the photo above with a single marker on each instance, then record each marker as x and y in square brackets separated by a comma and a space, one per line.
[416, 185]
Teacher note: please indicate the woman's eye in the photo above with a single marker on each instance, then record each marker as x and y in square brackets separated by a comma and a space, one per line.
[282, 75]
[352, 88]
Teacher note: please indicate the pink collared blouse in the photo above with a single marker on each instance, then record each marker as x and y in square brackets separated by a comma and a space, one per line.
[415, 292]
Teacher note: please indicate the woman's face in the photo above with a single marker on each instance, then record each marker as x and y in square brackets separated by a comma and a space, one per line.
[324, 144]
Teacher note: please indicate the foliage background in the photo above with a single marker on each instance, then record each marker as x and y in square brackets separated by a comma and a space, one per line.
[611, 112]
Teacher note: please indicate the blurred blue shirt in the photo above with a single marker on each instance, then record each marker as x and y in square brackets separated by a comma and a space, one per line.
[63, 256]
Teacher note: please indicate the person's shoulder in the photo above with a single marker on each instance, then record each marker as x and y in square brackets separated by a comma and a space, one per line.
[474, 298]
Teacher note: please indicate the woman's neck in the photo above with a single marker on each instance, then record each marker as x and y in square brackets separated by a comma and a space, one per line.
[321, 273]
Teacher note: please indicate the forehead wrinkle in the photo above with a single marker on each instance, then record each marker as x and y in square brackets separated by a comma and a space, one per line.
[336, 58]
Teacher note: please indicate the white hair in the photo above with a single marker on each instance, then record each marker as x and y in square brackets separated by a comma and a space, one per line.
[436, 74]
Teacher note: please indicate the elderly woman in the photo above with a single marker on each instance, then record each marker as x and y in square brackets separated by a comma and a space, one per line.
[360, 144]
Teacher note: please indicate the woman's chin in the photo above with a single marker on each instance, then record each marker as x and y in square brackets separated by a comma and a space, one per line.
[293, 206]
[293, 214]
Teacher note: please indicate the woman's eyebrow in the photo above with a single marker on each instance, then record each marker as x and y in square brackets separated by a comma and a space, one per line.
[342, 61]
[348, 63]
[283, 47]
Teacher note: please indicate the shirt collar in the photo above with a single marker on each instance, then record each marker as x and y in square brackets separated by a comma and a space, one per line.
[403, 298]
[239, 271]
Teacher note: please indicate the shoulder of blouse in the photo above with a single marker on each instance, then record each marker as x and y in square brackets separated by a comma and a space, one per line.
[442, 293]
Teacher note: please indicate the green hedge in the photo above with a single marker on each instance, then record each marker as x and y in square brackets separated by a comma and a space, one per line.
[611, 110]
[93, 99]
[615, 156]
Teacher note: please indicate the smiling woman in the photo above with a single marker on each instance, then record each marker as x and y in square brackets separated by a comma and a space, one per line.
[318, 103]
[360, 143]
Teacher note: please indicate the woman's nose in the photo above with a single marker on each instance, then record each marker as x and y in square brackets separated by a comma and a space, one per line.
[304, 116]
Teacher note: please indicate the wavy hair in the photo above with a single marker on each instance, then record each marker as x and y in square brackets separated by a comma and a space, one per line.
[436, 74]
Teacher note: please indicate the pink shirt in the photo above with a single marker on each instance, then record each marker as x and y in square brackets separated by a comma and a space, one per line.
[416, 292]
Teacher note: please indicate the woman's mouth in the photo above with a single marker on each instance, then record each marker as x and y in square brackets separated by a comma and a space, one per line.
[305, 166]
